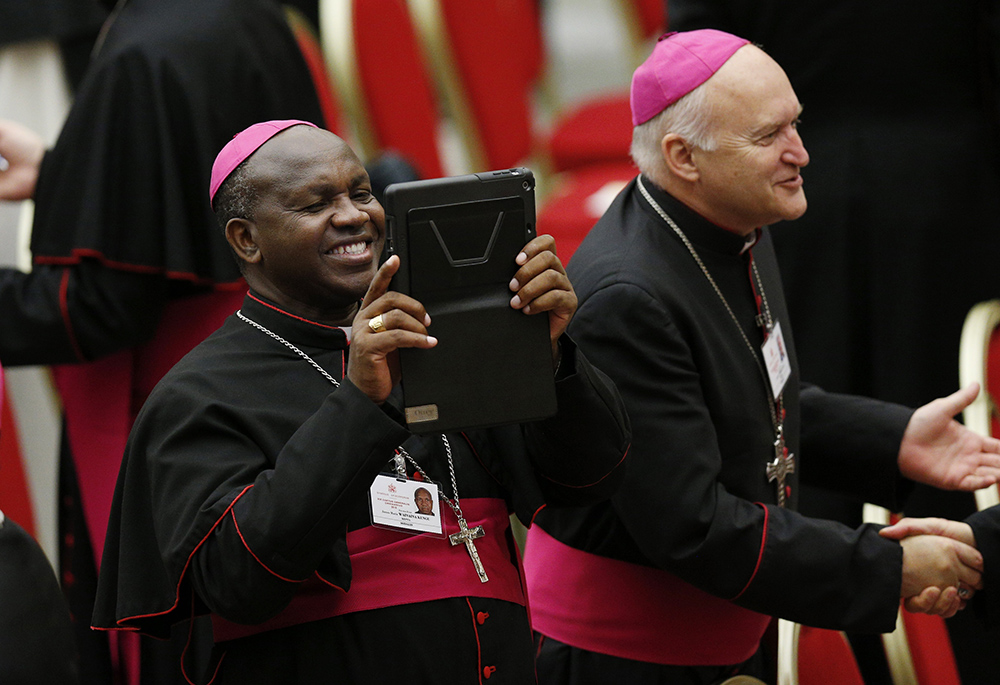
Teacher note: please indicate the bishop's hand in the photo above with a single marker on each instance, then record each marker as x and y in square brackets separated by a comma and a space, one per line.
[541, 285]
[934, 600]
[932, 561]
[387, 321]
[22, 150]
[937, 450]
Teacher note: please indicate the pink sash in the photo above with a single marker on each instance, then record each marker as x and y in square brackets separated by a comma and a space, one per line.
[634, 612]
[390, 568]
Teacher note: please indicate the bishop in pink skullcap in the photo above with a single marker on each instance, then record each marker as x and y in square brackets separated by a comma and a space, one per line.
[244, 144]
[681, 61]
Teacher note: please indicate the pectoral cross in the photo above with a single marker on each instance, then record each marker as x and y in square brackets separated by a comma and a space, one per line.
[466, 536]
[779, 468]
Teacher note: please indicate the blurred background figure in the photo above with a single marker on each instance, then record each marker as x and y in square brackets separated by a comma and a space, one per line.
[36, 635]
[129, 269]
[902, 232]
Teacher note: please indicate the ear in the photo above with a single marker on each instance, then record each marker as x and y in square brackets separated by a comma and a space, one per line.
[242, 237]
[678, 155]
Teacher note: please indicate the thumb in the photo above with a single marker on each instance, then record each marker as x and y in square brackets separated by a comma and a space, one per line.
[960, 399]
[915, 526]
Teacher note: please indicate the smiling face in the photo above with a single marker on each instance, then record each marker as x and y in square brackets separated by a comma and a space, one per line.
[314, 244]
[752, 176]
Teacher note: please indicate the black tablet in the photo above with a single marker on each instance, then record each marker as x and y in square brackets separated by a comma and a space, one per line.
[457, 238]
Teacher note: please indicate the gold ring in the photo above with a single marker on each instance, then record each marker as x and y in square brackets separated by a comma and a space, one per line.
[376, 324]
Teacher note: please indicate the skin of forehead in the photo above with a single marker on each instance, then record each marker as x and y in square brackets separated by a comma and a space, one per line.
[739, 84]
[295, 147]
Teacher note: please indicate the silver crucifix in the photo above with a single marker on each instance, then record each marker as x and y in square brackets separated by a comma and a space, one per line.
[778, 469]
[466, 536]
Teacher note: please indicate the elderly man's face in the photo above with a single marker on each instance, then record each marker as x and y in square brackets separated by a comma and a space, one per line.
[752, 177]
[425, 505]
[319, 229]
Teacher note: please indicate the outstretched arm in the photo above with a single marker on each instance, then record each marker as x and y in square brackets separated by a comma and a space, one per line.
[937, 450]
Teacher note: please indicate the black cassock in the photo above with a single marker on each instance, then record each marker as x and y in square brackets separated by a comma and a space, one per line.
[697, 513]
[245, 486]
[130, 266]
[122, 197]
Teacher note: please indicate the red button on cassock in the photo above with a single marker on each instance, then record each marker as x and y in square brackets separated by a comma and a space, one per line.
[488, 671]
[482, 616]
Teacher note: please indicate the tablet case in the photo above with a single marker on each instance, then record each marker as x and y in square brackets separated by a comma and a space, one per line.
[457, 239]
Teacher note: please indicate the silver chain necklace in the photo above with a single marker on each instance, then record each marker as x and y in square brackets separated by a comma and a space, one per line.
[782, 465]
[465, 535]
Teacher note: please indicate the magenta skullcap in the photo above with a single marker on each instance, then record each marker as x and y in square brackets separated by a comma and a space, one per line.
[244, 144]
[681, 61]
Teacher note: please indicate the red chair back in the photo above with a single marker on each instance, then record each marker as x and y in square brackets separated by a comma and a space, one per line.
[372, 48]
[487, 55]
[308, 41]
[993, 378]
[930, 647]
[651, 16]
[397, 84]
[826, 658]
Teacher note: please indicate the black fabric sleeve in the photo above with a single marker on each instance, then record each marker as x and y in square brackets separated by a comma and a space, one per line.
[580, 453]
[986, 528]
[683, 518]
[575, 457]
[847, 438]
[65, 314]
[290, 516]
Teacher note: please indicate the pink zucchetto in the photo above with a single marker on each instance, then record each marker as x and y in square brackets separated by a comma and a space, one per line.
[244, 144]
[681, 61]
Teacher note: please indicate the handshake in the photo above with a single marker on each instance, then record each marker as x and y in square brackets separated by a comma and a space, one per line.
[942, 568]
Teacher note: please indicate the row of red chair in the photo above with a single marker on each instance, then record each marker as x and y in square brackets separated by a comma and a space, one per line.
[450, 85]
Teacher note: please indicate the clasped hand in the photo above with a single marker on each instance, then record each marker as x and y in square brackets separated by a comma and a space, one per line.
[539, 285]
[941, 566]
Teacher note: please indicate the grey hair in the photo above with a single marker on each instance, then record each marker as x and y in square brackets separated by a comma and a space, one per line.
[236, 198]
[690, 118]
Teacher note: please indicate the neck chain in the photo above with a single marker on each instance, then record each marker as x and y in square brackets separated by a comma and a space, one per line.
[465, 534]
[783, 463]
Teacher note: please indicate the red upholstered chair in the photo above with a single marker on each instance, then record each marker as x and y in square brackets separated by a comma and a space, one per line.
[979, 361]
[486, 55]
[577, 201]
[928, 659]
[599, 129]
[372, 50]
[308, 40]
[815, 656]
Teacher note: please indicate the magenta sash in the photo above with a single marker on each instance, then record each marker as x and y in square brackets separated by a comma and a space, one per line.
[630, 611]
[390, 568]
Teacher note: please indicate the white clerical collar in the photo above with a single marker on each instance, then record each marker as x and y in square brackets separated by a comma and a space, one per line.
[750, 240]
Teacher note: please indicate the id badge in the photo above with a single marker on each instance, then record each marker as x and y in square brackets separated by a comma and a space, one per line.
[779, 366]
[410, 506]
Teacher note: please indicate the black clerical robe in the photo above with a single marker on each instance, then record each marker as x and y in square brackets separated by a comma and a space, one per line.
[693, 544]
[244, 486]
[986, 528]
[131, 269]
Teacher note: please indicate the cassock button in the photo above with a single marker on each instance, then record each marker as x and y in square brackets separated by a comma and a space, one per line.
[488, 671]
[482, 616]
